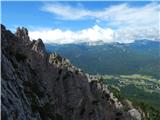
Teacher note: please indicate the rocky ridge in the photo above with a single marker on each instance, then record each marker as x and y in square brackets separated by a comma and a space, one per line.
[37, 85]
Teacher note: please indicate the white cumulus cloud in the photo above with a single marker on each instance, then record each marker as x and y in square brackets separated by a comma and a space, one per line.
[125, 23]
[93, 34]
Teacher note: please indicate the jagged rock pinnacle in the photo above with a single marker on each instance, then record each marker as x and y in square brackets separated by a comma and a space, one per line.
[38, 46]
[3, 27]
[22, 33]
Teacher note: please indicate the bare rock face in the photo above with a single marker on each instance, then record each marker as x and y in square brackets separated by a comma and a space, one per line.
[22, 33]
[135, 113]
[38, 46]
[37, 85]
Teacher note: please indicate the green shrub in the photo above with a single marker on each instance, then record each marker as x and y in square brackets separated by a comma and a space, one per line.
[32, 70]
[34, 88]
[117, 93]
[59, 58]
[151, 112]
[76, 72]
[82, 111]
[60, 71]
[58, 117]
[67, 75]
[20, 57]
[14, 64]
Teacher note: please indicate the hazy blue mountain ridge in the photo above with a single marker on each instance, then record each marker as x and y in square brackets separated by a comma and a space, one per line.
[139, 57]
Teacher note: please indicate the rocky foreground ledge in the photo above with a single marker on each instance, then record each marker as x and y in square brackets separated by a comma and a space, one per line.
[37, 85]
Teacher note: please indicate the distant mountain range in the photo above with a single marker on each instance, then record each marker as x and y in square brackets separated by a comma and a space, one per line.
[139, 57]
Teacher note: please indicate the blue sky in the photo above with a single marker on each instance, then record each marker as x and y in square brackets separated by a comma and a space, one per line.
[29, 14]
[73, 18]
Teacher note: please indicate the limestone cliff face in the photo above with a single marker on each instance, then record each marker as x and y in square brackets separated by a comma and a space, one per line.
[37, 85]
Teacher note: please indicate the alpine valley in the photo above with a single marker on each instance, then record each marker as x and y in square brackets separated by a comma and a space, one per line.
[130, 70]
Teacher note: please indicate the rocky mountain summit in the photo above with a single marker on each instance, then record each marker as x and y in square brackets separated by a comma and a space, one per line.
[37, 85]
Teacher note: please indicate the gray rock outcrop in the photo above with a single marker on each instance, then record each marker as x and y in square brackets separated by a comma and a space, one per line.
[37, 85]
